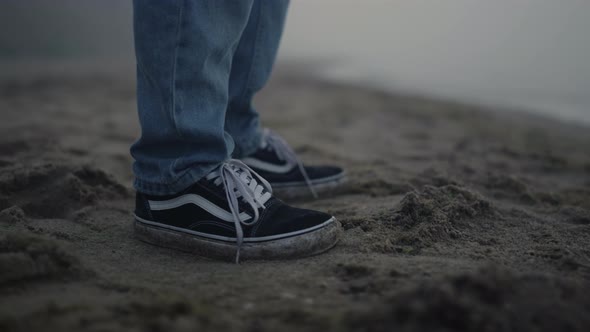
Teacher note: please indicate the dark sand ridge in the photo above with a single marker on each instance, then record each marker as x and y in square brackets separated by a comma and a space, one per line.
[455, 218]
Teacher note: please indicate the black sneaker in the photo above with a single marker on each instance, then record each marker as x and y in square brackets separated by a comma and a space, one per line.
[278, 164]
[232, 213]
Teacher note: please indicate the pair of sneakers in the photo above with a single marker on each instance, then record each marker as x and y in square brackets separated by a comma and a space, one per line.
[233, 213]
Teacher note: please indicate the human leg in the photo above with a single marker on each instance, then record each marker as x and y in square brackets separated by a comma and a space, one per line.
[184, 52]
[191, 196]
[251, 68]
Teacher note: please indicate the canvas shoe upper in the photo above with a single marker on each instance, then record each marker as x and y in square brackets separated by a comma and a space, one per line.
[276, 161]
[231, 213]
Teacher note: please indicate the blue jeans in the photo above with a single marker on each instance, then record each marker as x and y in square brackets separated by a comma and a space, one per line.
[199, 63]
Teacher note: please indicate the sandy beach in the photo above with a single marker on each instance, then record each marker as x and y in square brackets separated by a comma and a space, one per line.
[456, 218]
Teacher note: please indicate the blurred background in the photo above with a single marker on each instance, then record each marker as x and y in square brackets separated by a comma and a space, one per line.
[526, 54]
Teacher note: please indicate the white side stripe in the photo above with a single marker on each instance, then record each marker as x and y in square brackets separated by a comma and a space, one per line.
[263, 165]
[199, 201]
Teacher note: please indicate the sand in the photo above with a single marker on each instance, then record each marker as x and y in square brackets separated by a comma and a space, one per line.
[456, 218]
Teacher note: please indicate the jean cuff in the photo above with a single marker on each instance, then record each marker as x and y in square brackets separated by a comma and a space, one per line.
[186, 180]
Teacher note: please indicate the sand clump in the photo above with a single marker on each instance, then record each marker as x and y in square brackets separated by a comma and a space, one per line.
[575, 215]
[489, 299]
[435, 214]
[54, 191]
[160, 312]
[27, 257]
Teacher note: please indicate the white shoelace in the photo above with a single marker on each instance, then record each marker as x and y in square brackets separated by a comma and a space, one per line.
[285, 153]
[242, 182]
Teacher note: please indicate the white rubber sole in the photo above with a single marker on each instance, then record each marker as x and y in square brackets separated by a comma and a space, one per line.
[301, 190]
[306, 244]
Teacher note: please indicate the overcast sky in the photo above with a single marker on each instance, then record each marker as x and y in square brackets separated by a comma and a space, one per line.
[527, 53]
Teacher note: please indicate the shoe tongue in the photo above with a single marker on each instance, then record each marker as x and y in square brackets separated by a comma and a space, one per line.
[215, 183]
